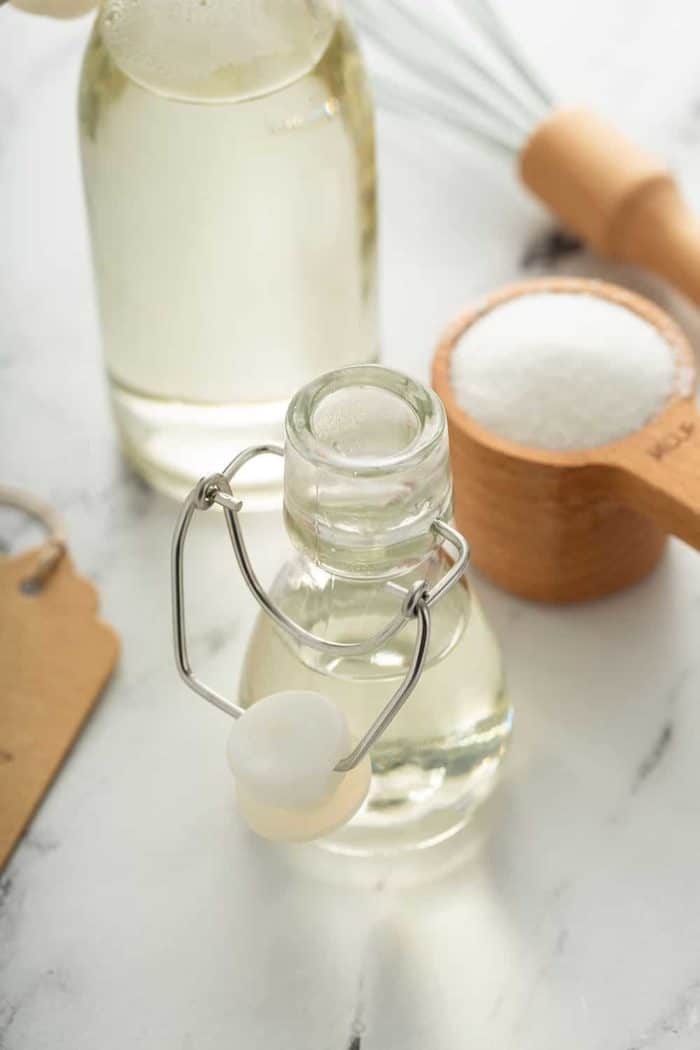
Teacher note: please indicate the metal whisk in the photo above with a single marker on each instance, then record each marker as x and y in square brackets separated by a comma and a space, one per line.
[454, 62]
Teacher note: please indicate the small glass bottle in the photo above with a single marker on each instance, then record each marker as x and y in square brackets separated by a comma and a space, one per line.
[228, 159]
[366, 474]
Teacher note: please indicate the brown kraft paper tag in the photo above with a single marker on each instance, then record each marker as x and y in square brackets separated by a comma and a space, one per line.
[55, 658]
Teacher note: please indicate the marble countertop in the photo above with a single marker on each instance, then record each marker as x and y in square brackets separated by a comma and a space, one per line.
[138, 912]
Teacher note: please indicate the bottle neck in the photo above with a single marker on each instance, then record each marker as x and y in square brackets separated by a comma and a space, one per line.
[366, 473]
[430, 567]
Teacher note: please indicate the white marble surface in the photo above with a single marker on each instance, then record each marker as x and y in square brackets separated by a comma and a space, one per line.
[138, 912]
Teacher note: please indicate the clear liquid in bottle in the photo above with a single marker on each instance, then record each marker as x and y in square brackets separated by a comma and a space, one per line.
[439, 758]
[228, 155]
[366, 475]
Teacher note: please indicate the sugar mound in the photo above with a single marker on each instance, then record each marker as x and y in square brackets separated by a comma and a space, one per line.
[283, 749]
[562, 371]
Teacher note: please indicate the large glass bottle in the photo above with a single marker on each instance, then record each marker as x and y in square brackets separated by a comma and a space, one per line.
[228, 157]
[366, 473]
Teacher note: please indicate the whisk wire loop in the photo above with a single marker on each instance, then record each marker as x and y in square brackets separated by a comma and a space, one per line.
[496, 29]
[446, 101]
[495, 96]
[406, 102]
[485, 76]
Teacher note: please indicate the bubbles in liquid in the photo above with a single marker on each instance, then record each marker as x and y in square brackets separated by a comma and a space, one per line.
[209, 50]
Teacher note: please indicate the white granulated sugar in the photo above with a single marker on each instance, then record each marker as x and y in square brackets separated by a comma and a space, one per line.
[562, 371]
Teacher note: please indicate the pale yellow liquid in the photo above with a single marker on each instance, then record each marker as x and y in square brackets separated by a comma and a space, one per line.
[233, 225]
[440, 756]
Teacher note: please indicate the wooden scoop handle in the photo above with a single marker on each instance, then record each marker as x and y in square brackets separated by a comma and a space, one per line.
[624, 203]
[657, 472]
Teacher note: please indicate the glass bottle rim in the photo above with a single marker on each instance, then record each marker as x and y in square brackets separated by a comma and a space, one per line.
[425, 404]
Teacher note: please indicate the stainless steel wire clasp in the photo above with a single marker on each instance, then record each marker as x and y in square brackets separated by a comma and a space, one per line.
[416, 601]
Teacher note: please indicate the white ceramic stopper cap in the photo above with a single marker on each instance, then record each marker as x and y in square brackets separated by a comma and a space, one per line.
[282, 752]
[303, 825]
[283, 749]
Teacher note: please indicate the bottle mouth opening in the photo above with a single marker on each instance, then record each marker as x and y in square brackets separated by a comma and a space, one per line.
[364, 420]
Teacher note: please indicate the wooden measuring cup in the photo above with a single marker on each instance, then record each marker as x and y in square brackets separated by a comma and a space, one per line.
[568, 526]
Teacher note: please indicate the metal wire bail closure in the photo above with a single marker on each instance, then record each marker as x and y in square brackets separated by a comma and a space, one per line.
[417, 601]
